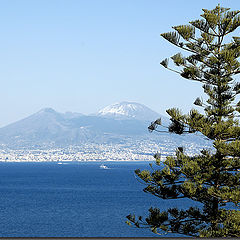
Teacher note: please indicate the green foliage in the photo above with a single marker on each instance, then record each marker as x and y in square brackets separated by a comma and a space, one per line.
[211, 178]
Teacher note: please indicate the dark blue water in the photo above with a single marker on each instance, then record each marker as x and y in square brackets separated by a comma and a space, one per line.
[72, 200]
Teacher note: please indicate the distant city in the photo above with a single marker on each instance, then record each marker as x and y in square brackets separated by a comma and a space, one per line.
[138, 150]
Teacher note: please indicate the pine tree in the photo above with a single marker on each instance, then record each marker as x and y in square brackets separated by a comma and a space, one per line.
[212, 177]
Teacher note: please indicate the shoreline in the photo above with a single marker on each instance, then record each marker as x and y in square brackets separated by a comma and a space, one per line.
[81, 162]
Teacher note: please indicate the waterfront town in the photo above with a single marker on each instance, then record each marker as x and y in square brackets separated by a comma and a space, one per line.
[132, 151]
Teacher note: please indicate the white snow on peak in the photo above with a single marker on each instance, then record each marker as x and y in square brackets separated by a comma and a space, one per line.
[128, 110]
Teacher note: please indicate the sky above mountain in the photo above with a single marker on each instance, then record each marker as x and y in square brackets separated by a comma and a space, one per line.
[80, 56]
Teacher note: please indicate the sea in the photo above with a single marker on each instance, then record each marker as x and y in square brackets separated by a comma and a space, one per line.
[80, 199]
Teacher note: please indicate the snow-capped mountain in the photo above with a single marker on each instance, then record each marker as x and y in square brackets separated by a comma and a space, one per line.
[128, 110]
[48, 126]
[120, 123]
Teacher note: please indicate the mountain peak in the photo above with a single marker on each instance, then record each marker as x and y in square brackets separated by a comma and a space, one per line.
[47, 110]
[128, 110]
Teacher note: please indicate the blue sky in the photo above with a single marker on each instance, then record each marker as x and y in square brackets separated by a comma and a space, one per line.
[82, 55]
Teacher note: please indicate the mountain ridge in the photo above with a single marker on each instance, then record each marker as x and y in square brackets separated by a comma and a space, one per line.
[49, 129]
[49, 126]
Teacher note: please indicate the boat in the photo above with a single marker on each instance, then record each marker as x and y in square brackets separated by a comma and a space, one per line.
[103, 166]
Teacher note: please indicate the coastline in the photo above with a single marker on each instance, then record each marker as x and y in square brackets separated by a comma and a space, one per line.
[81, 162]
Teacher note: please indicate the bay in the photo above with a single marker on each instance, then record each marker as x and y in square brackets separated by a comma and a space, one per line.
[73, 199]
